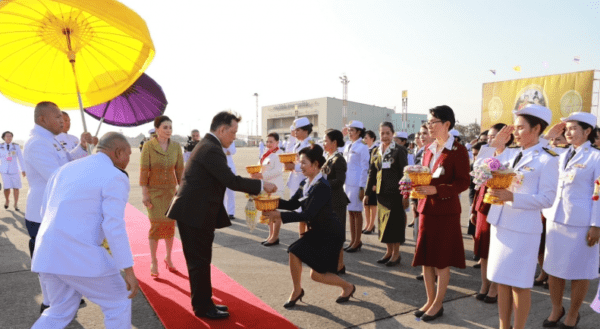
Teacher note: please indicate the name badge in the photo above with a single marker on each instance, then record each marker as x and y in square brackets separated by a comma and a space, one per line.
[567, 177]
[438, 172]
[9, 159]
[386, 165]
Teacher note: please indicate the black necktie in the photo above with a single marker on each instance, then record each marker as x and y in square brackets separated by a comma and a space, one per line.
[517, 159]
[569, 158]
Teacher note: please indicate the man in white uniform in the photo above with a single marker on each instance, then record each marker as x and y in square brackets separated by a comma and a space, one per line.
[69, 141]
[261, 149]
[84, 203]
[229, 200]
[43, 155]
[9, 154]
[401, 139]
[302, 130]
[291, 141]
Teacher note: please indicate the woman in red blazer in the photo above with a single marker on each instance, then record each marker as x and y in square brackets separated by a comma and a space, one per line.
[439, 244]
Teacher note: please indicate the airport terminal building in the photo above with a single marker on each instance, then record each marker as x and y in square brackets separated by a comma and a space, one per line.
[324, 113]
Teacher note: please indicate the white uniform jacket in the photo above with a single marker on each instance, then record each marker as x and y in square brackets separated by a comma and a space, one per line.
[232, 150]
[573, 204]
[289, 146]
[9, 154]
[357, 157]
[70, 143]
[296, 175]
[84, 203]
[273, 171]
[43, 154]
[540, 171]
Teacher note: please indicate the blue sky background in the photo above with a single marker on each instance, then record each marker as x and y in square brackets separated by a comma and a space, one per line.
[214, 55]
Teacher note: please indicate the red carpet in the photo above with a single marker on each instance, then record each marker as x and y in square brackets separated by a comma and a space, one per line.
[169, 294]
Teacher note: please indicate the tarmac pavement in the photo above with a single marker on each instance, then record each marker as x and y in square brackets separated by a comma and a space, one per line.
[385, 297]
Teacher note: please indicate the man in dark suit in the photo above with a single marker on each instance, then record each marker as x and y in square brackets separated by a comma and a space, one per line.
[198, 207]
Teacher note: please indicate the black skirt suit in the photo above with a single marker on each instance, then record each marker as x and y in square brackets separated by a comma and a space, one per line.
[335, 170]
[320, 246]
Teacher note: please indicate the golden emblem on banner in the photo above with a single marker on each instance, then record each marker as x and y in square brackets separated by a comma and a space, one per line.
[570, 102]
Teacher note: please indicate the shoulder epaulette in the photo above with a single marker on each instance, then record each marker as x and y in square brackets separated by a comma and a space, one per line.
[549, 151]
[595, 146]
[15, 144]
[563, 146]
[513, 146]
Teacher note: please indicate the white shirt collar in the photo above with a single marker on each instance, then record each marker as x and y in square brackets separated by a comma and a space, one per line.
[39, 130]
[308, 185]
[448, 145]
[585, 145]
[216, 138]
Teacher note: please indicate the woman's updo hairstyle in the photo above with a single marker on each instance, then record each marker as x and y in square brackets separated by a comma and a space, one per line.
[336, 136]
[314, 153]
[160, 119]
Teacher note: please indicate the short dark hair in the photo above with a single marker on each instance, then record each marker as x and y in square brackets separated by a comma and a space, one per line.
[7, 132]
[314, 153]
[424, 126]
[403, 140]
[160, 119]
[335, 136]
[371, 134]
[444, 113]
[224, 118]
[387, 124]
[308, 128]
[486, 132]
[478, 146]
[361, 132]
[274, 135]
[591, 137]
[40, 107]
[534, 121]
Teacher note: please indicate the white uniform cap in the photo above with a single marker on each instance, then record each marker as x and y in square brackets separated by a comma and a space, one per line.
[292, 128]
[355, 124]
[537, 111]
[455, 132]
[402, 134]
[301, 122]
[584, 117]
[468, 146]
[151, 131]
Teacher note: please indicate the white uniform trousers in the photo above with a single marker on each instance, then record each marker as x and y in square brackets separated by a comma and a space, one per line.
[65, 291]
[229, 202]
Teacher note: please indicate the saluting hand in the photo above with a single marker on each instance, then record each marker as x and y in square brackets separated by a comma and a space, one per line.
[593, 236]
[502, 137]
[556, 130]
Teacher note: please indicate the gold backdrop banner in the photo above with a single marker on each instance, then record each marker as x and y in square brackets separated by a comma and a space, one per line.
[561, 93]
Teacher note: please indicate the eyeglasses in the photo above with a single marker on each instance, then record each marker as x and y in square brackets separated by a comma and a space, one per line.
[431, 123]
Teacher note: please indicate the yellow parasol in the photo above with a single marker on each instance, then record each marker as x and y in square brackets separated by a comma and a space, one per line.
[49, 48]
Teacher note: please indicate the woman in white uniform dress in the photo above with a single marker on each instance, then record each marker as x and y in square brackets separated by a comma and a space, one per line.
[516, 226]
[358, 159]
[573, 222]
[272, 172]
[10, 170]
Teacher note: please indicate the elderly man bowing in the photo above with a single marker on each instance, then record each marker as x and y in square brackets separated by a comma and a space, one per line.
[84, 202]
[199, 210]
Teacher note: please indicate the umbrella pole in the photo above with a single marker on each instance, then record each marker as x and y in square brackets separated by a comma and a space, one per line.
[71, 56]
[99, 125]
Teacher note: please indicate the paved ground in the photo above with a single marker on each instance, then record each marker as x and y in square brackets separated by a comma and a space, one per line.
[385, 297]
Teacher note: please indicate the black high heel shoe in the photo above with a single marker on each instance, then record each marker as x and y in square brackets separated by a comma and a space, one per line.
[355, 249]
[368, 231]
[562, 325]
[552, 324]
[384, 260]
[342, 271]
[341, 299]
[393, 262]
[274, 243]
[292, 303]
[428, 318]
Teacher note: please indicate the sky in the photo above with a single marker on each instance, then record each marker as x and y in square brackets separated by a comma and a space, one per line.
[215, 55]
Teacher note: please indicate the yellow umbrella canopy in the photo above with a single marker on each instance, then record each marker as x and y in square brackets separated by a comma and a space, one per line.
[48, 48]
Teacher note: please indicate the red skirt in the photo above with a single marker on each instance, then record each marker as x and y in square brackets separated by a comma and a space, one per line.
[440, 242]
[481, 246]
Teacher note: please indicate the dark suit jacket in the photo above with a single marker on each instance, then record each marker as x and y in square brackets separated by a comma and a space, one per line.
[453, 181]
[335, 169]
[317, 211]
[199, 200]
[387, 180]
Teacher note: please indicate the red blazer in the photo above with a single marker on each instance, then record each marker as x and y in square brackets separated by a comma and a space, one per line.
[454, 180]
[478, 204]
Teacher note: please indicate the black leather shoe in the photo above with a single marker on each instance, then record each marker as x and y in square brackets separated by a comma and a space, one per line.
[480, 296]
[357, 248]
[419, 313]
[476, 258]
[428, 318]
[214, 314]
[223, 308]
[411, 224]
[419, 277]
[291, 303]
[538, 283]
[477, 265]
[564, 326]
[268, 244]
[490, 300]
[342, 271]
[393, 262]
[232, 217]
[341, 299]
[43, 307]
[263, 242]
[384, 260]
[553, 324]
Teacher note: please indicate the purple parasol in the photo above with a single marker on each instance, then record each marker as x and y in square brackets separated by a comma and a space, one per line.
[140, 103]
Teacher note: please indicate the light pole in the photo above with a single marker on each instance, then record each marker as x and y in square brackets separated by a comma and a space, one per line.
[256, 95]
[345, 82]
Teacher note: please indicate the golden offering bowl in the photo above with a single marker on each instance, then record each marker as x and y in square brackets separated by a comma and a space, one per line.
[419, 179]
[254, 169]
[498, 181]
[287, 158]
[266, 203]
